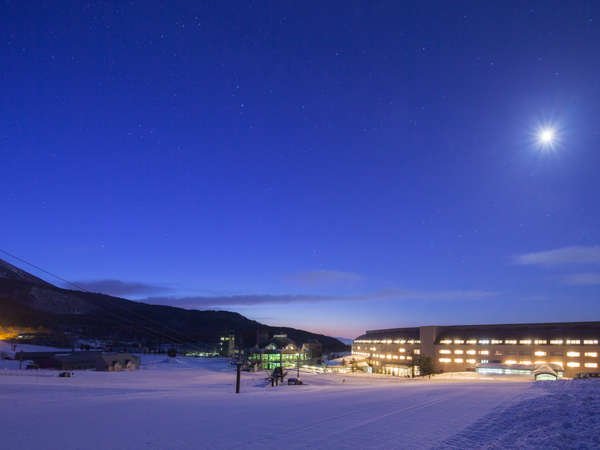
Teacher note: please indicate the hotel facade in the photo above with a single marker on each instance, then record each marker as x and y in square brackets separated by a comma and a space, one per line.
[571, 346]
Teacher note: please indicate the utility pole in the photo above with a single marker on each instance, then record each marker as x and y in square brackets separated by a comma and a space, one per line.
[238, 366]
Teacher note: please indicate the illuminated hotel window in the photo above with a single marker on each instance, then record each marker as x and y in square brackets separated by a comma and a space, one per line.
[590, 341]
[484, 341]
[510, 361]
[540, 353]
[573, 354]
[510, 341]
[445, 351]
[471, 361]
[395, 357]
[573, 342]
[484, 352]
[526, 362]
[459, 341]
[402, 350]
[525, 341]
[388, 356]
[591, 365]
[572, 364]
[417, 351]
[472, 341]
[496, 341]
[591, 354]
[446, 341]
[402, 341]
[540, 341]
[409, 358]
[471, 352]
[402, 357]
[458, 360]
[410, 341]
[556, 341]
[484, 361]
[458, 352]
[445, 360]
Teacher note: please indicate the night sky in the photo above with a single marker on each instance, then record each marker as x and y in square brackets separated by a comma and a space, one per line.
[333, 166]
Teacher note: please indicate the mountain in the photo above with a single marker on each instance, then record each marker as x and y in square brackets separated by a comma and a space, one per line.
[10, 272]
[32, 303]
[347, 341]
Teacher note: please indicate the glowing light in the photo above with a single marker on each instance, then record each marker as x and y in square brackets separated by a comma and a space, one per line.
[546, 136]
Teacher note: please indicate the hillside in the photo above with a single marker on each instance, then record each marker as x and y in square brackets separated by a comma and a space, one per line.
[29, 302]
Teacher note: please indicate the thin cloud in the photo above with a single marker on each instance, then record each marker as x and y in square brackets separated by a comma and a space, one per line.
[121, 288]
[583, 279]
[389, 295]
[324, 277]
[578, 254]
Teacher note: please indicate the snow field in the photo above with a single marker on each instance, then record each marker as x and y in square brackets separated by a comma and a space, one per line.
[187, 403]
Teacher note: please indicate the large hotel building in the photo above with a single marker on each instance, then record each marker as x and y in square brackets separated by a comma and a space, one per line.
[572, 346]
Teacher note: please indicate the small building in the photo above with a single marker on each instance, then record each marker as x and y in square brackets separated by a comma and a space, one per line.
[279, 351]
[101, 361]
[115, 362]
[312, 349]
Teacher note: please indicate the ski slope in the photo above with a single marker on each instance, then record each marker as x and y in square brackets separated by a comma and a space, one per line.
[187, 403]
[190, 403]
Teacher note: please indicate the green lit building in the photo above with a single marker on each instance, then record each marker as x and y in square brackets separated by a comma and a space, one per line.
[280, 351]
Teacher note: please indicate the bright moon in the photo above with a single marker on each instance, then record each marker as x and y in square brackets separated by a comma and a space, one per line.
[546, 136]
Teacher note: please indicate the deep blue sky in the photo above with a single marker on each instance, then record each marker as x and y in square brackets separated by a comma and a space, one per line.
[334, 167]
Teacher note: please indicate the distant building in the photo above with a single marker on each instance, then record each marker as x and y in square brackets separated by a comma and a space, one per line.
[279, 351]
[312, 349]
[227, 345]
[108, 362]
[570, 347]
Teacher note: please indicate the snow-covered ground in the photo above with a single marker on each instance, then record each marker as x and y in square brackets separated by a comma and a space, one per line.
[566, 415]
[190, 404]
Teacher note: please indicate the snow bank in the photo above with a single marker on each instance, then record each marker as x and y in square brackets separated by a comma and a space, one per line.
[566, 414]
